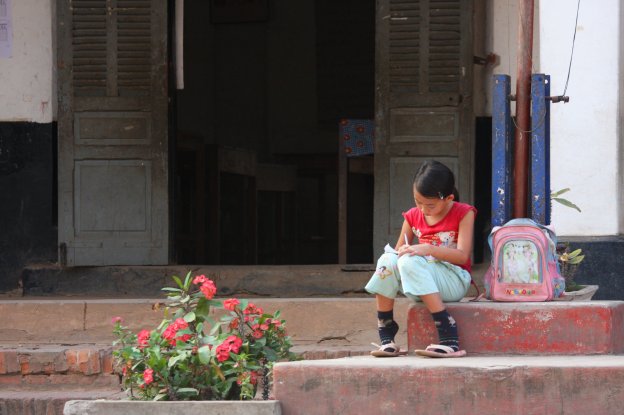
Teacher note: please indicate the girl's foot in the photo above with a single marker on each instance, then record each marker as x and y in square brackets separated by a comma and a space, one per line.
[447, 332]
[440, 350]
[387, 350]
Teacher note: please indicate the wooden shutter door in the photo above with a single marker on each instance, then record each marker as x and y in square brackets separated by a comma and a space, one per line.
[424, 105]
[112, 123]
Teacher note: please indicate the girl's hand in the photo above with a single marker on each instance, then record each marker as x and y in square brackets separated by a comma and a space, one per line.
[411, 250]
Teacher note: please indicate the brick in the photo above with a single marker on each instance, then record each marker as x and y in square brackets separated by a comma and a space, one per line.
[89, 361]
[548, 328]
[71, 358]
[25, 367]
[85, 361]
[9, 362]
[503, 385]
[107, 361]
[60, 362]
[11, 380]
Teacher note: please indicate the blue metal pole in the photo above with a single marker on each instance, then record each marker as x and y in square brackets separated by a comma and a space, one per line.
[540, 148]
[502, 147]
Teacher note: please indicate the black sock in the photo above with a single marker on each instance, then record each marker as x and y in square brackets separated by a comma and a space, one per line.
[387, 327]
[447, 329]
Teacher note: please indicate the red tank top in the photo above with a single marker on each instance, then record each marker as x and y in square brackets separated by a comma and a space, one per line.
[443, 233]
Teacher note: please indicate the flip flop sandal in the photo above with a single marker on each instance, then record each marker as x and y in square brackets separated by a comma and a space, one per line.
[387, 350]
[432, 351]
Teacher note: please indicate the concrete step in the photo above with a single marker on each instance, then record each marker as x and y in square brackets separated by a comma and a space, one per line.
[545, 328]
[48, 402]
[499, 385]
[342, 326]
[240, 280]
[74, 364]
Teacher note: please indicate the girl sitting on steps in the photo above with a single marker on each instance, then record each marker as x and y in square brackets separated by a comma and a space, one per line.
[432, 264]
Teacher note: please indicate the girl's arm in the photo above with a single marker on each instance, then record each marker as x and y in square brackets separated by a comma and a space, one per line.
[457, 256]
[406, 232]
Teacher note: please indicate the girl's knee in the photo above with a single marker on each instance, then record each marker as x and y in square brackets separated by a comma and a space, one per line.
[410, 262]
[388, 260]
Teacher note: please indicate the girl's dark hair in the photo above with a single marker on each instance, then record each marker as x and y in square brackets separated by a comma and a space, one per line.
[434, 179]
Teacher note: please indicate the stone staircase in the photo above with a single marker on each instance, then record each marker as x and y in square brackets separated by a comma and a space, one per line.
[523, 358]
[57, 349]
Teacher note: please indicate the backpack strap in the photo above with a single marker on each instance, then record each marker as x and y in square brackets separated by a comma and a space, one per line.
[480, 295]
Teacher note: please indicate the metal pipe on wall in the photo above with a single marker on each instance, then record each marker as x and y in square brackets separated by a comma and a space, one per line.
[523, 105]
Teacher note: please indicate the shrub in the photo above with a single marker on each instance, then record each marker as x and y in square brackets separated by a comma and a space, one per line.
[191, 356]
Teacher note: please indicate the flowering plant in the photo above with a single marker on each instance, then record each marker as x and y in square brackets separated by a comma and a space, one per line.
[191, 356]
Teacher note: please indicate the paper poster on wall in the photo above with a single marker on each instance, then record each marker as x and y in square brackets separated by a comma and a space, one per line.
[6, 29]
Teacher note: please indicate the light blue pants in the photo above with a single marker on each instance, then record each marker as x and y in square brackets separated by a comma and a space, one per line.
[415, 276]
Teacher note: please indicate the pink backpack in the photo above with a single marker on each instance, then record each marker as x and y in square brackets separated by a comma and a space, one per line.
[524, 263]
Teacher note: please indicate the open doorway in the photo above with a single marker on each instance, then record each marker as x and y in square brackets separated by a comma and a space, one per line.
[256, 131]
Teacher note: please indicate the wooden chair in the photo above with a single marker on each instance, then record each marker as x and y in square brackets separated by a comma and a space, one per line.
[356, 138]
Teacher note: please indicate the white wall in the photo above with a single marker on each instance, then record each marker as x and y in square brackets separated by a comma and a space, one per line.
[585, 131]
[27, 79]
[501, 38]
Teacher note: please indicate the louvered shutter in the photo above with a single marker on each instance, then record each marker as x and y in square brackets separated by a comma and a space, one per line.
[424, 104]
[113, 189]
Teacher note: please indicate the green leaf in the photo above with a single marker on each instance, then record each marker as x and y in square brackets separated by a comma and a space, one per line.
[187, 281]
[160, 397]
[173, 289]
[577, 260]
[270, 354]
[574, 253]
[178, 281]
[176, 359]
[191, 391]
[189, 317]
[566, 203]
[559, 192]
[205, 354]
[214, 329]
[202, 309]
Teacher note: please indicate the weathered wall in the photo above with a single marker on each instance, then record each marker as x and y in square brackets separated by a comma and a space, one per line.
[585, 132]
[27, 143]
[27, 79]
[27, 201]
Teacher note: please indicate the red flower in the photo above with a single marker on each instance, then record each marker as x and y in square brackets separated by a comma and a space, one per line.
[235, 343]
[181, 324]
[252, 309]
[209, 289]
[252, 376]
[223, 353]
[231, 344]
[171, 331]
[234, 323]
[116, 319]
[148, 376]
[230, 304]
[200, 279]
[257, 334]
[143, 338]
[207, 286]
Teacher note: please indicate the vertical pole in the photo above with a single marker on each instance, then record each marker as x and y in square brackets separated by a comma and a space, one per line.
[343, 173]
[502, 146]
[523, 102]
[540, 148]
